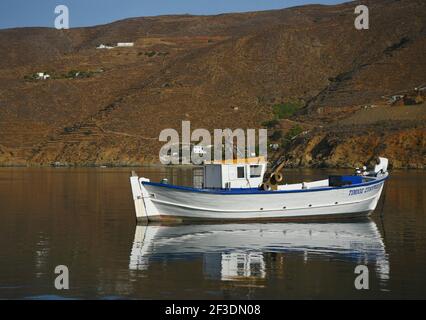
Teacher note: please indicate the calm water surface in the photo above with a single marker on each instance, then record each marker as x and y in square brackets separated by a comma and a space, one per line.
[84, 219]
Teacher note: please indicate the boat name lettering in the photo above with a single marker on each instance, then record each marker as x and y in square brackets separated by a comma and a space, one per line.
[354, 192]
[373, 187]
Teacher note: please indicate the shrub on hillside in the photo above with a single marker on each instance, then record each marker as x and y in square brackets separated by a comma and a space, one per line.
[285, 110]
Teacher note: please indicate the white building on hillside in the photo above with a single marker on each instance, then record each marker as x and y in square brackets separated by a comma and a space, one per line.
[125, 44]
[104, 46]
[42, 76]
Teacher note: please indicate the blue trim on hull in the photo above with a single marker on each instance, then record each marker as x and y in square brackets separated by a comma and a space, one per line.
[257, 190]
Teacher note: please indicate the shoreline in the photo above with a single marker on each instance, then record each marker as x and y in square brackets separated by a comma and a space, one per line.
[148, 164]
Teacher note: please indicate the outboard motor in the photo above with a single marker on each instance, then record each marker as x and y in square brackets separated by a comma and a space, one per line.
[382, 166]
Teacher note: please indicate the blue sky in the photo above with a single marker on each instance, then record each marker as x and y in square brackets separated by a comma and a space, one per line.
[25, 13]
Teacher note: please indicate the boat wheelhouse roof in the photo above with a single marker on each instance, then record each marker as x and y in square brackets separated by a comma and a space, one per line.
[253, 160]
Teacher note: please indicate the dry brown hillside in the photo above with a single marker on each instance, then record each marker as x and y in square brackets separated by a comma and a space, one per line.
[217, 71]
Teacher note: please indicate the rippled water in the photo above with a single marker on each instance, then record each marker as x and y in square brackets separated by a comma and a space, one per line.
[84, 219]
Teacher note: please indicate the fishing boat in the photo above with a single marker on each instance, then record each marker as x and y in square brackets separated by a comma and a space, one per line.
[236, 190]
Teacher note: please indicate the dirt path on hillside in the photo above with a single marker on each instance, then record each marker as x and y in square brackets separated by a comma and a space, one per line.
[385, 113]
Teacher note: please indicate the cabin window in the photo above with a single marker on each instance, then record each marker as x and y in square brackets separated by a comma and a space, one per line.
[255, 171]
[240, 172]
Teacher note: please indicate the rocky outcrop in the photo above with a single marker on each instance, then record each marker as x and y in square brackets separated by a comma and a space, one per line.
[405, 148]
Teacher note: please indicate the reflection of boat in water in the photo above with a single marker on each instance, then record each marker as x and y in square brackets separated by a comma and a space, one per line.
[238, 265]
[237, 250]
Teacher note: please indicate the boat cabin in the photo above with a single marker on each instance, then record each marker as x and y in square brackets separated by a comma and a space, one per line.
[231, 174]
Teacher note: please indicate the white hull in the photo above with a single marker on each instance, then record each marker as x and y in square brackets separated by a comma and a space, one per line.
[156, 202]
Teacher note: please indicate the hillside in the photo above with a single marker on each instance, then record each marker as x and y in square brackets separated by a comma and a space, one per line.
[217, 71]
